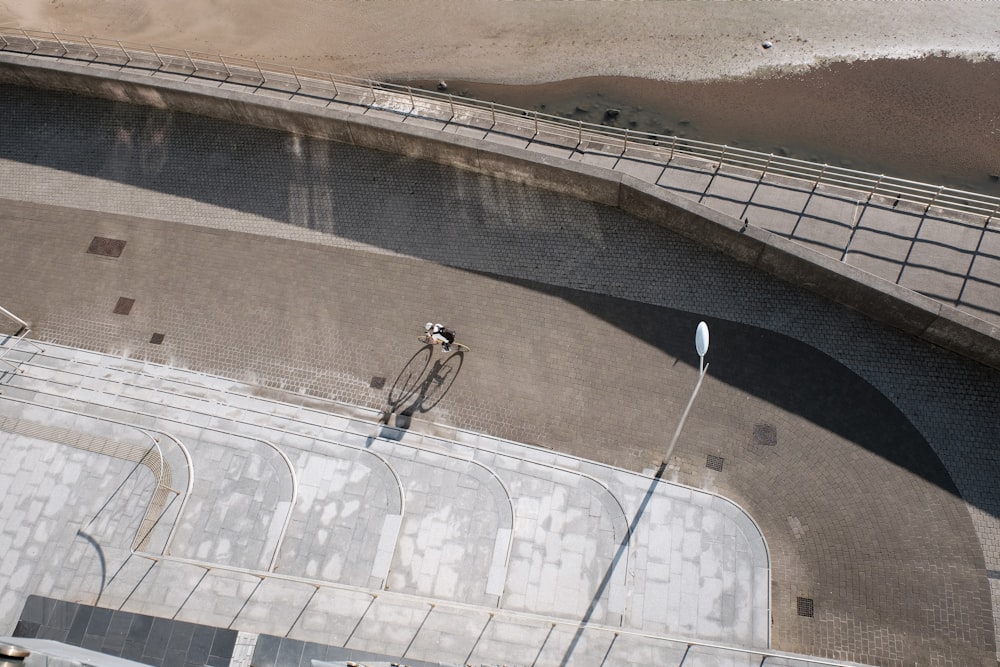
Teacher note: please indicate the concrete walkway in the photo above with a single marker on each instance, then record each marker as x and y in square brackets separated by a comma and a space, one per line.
[308, 267]
[482, 522]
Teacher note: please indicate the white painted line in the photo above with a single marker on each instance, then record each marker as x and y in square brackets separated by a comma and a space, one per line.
[498, 567]
[386, 545]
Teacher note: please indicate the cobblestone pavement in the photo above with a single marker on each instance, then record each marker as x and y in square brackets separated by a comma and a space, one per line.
[866, 457]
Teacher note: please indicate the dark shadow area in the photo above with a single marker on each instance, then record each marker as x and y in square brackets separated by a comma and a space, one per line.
[777, 369]
[139, 638]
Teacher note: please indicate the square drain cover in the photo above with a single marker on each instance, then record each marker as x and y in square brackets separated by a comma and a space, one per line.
[804, 606]
[377, 382]
[106, 247]
[124, 306]
[715, 463]
[157, 339]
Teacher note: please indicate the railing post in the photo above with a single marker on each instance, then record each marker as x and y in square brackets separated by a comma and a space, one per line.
[493, 114]
[580, 134]
[722, 158]
[336, 92]
[413, 105]
[56, 37]
[875, 187]
[992, 215]
[297, 81]
[767, 164]
[820, 177]
[673, 145]
[933, 201]
[162, 64]
[194, 68]
[625, 142]
[14, 317]
[34, 46]
[92, 48]
[536, 124]
[128, 58]
[371, 87]
[263, 79]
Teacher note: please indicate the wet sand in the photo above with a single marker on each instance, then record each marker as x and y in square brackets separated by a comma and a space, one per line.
[910, 89]
[935, 120]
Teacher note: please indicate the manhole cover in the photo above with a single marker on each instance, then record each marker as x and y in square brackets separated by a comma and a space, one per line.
[377, 382]
[715, 463]
[106, 247]
[124, 306]
[765, 434]
[804, 606]
[157, 339]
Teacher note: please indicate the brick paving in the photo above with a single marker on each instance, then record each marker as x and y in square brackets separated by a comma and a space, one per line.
[307, 266]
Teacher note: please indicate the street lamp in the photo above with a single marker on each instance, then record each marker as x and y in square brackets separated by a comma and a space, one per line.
[701, 345]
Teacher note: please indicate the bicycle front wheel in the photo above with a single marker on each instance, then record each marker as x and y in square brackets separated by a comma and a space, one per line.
[458, 347]
[426, 340]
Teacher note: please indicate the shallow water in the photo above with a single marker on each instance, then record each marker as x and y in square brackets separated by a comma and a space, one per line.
[935, 120]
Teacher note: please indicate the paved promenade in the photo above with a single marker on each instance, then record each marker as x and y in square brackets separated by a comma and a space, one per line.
[338, 509]
[307, 267]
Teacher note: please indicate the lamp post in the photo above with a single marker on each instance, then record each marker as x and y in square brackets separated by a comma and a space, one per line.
[701, 345]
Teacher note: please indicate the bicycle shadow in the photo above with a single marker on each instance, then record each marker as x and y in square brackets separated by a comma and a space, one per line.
[421, 385]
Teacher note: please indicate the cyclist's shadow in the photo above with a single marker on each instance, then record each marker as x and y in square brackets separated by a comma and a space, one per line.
[421, 384]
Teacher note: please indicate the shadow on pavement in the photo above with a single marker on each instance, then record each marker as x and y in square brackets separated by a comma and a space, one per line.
[772, 367]
[421, 384]
[606, 580]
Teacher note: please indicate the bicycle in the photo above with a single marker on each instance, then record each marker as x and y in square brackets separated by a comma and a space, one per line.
[427, 339]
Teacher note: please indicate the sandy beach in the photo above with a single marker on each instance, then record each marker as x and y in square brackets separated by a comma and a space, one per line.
[911, 89]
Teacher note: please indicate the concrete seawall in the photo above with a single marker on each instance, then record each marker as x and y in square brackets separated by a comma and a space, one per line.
[904, 309]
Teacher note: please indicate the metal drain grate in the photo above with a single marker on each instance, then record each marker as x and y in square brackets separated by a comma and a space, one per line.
[715, 463]
[765, 434]
[124, 306]
[157, 339]
[377, 382]
[804, 606]
[106, 247]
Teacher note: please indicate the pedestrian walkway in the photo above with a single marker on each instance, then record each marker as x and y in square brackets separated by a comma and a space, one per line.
[382, 525]
[264, 265]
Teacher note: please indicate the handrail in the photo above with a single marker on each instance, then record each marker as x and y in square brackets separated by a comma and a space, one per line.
[531, 125]
[21, 335]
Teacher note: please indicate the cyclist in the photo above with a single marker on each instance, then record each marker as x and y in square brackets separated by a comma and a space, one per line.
[440, 334]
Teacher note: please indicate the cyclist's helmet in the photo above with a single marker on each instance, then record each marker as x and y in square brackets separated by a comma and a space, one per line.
[428, 326]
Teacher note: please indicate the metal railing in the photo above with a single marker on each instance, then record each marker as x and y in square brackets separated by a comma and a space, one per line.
[10, 342]
[535, 126]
